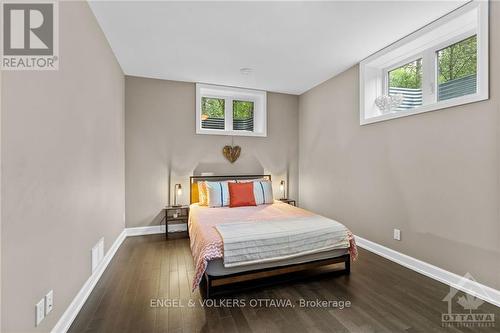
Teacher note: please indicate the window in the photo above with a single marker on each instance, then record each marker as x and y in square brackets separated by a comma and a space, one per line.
[243, 116]
[212, 113]
[457, 69]
[407, 82]
[443, 64]
[230, 111]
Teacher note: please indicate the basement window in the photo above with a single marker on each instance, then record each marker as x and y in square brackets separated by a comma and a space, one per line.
[406, 80]
[230, 111]
[212, 113]
[442, 65]
[457, 69]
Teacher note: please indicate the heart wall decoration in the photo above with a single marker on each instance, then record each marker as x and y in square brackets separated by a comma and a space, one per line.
[231, 153]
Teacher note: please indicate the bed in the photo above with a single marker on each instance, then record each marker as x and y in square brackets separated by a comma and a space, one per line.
[212, 246]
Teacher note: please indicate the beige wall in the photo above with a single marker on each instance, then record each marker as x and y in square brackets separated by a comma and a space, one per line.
[435, 176]
[161, 144]
[63, 170]
[0, 201]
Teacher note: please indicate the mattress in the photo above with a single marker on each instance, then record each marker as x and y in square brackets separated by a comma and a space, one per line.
[216, 267]
[207, 246]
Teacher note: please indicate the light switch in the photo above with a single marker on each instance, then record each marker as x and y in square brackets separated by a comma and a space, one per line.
[397, 234]
[49, 302]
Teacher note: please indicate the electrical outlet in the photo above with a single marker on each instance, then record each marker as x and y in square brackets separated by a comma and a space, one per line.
[40, 311]
[397, 234]
[49, 302]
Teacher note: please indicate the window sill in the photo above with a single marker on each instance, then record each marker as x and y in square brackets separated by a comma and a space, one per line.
[426, 108]
[230, 133]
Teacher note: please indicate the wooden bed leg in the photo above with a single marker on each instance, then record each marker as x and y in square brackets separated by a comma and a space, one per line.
[348, 265]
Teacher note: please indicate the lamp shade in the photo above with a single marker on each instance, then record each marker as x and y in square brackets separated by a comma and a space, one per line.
[282, 189]
[177, 193]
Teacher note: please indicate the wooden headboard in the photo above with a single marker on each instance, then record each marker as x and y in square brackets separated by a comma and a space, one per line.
[193, 180]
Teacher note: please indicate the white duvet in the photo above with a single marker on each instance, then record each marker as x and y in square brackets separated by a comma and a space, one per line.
[255, 242]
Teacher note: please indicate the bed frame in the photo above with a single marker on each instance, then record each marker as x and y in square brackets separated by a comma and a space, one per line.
[214, 284]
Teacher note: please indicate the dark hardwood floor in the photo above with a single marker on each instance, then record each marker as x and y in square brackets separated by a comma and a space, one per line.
[149, 270]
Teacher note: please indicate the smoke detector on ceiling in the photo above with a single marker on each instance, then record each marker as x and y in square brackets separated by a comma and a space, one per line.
[246, 70]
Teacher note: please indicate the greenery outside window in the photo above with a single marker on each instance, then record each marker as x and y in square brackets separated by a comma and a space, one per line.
[406, 80]
[242, 115]
[457, 69]
[212, 113]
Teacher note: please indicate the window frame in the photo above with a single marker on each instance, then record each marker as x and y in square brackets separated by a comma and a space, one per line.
[230, 94]
[375, 69]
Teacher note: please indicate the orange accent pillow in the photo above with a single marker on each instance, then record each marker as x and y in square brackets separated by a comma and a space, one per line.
[241, 194]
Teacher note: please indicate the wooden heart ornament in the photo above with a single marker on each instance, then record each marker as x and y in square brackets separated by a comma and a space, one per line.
[231, 153]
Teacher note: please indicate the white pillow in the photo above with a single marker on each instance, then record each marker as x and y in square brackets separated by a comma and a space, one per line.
[263, 192]
[217, 194]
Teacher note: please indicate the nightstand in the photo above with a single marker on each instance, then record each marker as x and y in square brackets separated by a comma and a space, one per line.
[288, 201]
[176, 216]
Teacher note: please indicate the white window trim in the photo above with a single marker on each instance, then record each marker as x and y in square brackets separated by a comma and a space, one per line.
[371, 81]
[229, 94]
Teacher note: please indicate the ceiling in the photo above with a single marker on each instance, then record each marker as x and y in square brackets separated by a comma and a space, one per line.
[290, 46]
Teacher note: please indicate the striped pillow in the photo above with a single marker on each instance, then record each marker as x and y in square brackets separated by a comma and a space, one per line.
[217, 194]
[263, 192]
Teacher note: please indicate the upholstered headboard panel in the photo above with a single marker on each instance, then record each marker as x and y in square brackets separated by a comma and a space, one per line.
[195, 179]
[194, 192]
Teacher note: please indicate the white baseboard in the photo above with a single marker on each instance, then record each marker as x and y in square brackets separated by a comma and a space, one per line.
[71, 312]
[141, 231]
[155, 229]
[456, 281]
[75, 306]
